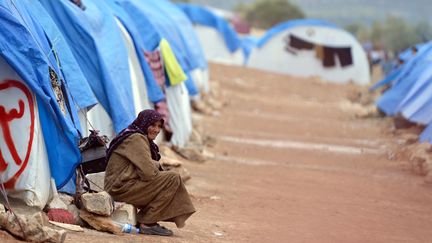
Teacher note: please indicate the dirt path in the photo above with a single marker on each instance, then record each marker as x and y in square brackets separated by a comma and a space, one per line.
[293, 164]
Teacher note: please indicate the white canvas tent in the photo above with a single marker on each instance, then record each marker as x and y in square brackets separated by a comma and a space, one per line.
[97, 116]
[214, 47]
[274, 52]
[218, 39]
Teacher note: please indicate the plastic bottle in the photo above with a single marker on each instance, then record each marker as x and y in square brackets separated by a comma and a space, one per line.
[127, 228]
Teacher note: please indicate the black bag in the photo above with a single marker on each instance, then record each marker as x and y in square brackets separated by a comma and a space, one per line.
[93, 150]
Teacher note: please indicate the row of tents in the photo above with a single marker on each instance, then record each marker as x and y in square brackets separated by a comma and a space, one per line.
[305, 47]
[408, 89]
[69, 66]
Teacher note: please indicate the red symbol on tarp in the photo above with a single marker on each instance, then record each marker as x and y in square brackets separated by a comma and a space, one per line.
[6, 117]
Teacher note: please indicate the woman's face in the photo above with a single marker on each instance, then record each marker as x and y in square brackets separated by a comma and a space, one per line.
[154, 130]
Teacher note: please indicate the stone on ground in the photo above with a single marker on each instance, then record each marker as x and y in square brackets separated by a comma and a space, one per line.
[100, 223]
[99, 203]
[124, 213]
[30, 227]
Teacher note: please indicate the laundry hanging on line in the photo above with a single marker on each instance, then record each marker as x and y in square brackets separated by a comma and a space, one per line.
[326, 54]
[154, 59]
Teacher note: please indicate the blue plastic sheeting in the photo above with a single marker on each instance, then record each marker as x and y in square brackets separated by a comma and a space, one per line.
[154, 24]
[202, 16]
[406, 57]
[97, 45]
[184, 26]
[407, 54]
[426, 135]
[291, 24]
[77, 84]
[24, 46]
[387, 80]
[248, 44]
[154, 92]
[410, 72]
[417, 104]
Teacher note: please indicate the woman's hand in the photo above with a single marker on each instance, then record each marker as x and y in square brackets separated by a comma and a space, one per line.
[158, 165]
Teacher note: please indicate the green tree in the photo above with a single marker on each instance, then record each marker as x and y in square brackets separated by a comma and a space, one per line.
[377, 33]
[267, 13]
[353, 28]
[424, 31]
[398, 34]
[360, 31]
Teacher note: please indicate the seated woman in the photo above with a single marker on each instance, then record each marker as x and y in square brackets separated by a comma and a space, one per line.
[134, 175]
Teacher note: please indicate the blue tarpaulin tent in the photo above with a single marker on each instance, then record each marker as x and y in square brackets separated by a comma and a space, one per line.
[153, 90]
[291, 24]
[23, 44]
[76, 82]
[203, 16]
[158, 19]
[98, 47]
[410, 93]
[404, 80]
[405, 56]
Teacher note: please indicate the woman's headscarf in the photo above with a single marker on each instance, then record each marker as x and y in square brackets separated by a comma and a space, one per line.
[145, 119]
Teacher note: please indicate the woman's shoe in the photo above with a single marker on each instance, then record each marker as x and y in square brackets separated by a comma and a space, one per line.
[155, 230]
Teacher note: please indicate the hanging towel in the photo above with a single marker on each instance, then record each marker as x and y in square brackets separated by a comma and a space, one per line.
[319, 52]
[329, 57]
[344, 55]
[174, 71]
[154, 60]
[299, 43]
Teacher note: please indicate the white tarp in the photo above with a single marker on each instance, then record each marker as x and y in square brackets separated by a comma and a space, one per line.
[23, 156]
[201, 79]
[180, 114]
[214, 47]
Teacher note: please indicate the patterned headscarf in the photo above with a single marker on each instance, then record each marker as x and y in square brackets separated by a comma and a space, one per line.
[145, 119]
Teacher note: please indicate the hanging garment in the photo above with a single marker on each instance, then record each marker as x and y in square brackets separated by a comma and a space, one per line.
[154, 60]
[329, 57]
[319, 52]
[174, 71]
[343, 54]
[299, 43]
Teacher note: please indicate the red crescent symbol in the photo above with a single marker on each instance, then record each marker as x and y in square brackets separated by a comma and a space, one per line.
[5, 118]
